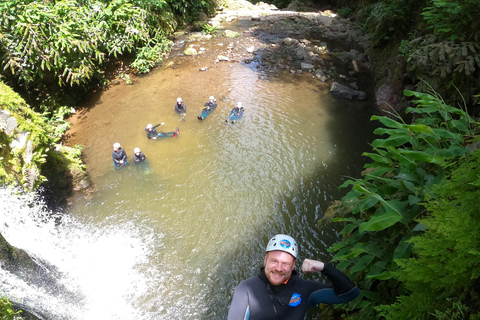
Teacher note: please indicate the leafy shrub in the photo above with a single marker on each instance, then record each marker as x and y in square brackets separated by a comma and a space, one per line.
[388, 19]
[381, 209]
[448, 57]
[345, 12]
[443, 275]
[208, 28]
[49, 45]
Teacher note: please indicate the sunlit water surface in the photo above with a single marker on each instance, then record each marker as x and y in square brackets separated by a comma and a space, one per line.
[171, 240]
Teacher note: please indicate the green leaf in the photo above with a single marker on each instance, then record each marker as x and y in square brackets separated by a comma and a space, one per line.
[393, 141]
[383, 276]
[421, 156]
[343, 265]
[348, 228]
[387, 122]
[380, 222]
[403, 250]
[362, 264]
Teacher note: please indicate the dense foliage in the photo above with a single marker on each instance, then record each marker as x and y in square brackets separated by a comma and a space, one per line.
[47, 45]
[443, 278]
[448, 56]
[439, 40]
[381, 211]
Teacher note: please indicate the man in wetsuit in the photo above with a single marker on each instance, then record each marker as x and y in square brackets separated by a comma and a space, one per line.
[278, 293]
[119, 156]
[180, 107]
[138, 156]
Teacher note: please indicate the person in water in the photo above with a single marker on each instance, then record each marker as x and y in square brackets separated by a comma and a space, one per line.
[211, 104]
[138, 156]
[153, 134]
[119, 156]
[236, 113]
[180, 107]
[277, 292]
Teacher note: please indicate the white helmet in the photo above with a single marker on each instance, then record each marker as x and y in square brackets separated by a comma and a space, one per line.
[136, 150]
[149, 126]
[211, 98]
[179, 99]
[116, 145]
[282, 242]
[239, 105]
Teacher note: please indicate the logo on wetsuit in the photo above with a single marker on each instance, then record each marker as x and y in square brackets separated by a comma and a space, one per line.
[285, 244]
[295, 300]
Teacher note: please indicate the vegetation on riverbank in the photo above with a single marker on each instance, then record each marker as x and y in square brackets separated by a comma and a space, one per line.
[412, 226]
[431, 43]
[50, 50]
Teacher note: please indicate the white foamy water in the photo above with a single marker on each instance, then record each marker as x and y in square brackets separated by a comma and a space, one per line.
[101, 268]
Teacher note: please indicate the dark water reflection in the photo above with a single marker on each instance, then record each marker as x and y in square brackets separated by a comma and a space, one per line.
[213, 196]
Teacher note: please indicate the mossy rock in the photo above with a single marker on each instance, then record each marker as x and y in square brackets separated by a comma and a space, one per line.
[231, 34]
[190, 51]
[27, 139]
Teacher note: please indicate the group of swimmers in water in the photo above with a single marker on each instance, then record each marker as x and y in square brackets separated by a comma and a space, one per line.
[119, 156]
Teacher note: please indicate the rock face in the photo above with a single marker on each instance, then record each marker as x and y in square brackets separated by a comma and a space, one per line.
[27, 140]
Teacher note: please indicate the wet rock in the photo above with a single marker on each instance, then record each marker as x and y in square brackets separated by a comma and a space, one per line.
[300, 53]
[190, 51]
[27, 156]
[346, 92]
[353, 54]
[230, 34]
[20, 140]
[7, 122]
[388, 95]
[222, 58]
[321, 48]
[31, 178]
[296, 5]
[320, 76]
[306, 66]
[290, 42]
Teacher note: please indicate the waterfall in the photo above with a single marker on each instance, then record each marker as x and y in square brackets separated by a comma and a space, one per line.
[99, 268]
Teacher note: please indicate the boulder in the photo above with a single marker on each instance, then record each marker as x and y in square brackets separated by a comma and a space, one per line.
[190, 51]
[306, 66]
[231, 34]
[346, 92]
[202, 16]
[289, 41]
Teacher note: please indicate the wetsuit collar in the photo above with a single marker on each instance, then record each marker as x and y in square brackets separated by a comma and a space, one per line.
[283, 292]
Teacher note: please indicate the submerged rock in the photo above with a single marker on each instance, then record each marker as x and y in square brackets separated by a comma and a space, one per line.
[231, 34]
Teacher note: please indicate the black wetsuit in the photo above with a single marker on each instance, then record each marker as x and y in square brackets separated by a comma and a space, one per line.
[118, 156]
[140, 158]
[151, 134]
[256, 299]
[210, 105]
[180, 108]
